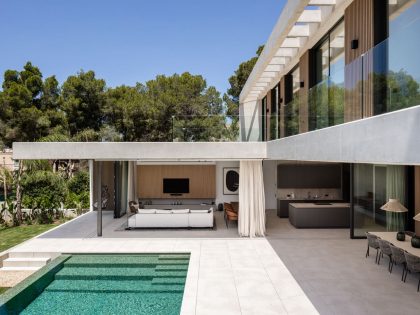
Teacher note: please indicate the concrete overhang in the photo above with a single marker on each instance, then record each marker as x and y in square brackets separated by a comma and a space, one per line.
[302, 23]
[392, 138]
[140, 151]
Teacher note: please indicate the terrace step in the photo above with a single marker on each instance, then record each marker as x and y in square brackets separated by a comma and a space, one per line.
[19, 268]
[109, 286]
[31, 254]
[26, 261]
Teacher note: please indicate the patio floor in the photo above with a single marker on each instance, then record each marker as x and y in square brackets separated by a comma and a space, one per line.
[332, 270]
[291, 271]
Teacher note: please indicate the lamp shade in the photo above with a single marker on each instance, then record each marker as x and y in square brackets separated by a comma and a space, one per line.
[417, 217]
[393, 205]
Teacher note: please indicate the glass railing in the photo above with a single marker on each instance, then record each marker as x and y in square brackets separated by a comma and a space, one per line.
[218, 128]
[384, 79]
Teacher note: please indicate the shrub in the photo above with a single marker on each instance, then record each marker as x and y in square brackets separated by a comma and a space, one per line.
[43, 191]
[78, 187]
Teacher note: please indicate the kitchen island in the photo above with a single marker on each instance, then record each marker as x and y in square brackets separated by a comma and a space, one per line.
[319, 215]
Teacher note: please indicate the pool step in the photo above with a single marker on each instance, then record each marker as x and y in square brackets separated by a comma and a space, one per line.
[77, 273]
[109, 286]
[18, 262]
[168, 281]
[123, 261]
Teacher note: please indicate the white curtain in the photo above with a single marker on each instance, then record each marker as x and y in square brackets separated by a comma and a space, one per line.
[251, 220]
[132, 182]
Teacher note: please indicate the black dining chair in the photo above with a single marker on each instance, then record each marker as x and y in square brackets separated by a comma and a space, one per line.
[413, 265]
[398, 258]
[385, 249]
[372, 242]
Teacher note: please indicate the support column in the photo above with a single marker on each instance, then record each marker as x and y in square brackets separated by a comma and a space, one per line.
[91, 186]
[99, 197]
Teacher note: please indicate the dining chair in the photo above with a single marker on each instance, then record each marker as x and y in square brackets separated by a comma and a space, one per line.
[230, 214]
[372, 242]
[398, 258]
[413, 265]
[385, 249]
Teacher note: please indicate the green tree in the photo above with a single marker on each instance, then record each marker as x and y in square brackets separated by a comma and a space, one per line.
[237, 82]
[83, 100]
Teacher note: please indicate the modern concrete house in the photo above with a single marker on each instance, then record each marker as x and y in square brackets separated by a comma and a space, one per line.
[331, 112]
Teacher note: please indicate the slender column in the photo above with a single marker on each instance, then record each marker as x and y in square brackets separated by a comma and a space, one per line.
[91, 187]
[99, 197]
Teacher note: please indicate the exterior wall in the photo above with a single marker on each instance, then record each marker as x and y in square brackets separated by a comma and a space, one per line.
[390, 138]
[220, 197]
[270, 184]
[140, 151]
[6, 160]
[251, 128]
[417, 197]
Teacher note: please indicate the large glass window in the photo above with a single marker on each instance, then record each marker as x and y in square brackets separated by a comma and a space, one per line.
[373, 186]
[264, 119]
[291, 110]
[274, 112]
[326, 98]
[403, 47]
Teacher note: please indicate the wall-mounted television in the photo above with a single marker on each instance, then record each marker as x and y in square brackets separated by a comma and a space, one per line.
[176, 185]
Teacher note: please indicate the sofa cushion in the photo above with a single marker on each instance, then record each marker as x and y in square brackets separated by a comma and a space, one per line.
[147, 211]
[178, 211]
[200, 211]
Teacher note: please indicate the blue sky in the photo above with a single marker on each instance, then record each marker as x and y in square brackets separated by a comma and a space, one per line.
[129, 41]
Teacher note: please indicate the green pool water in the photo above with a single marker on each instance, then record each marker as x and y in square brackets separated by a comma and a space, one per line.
[115, 284]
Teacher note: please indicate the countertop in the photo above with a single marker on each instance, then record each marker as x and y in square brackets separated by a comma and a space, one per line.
[314, 205]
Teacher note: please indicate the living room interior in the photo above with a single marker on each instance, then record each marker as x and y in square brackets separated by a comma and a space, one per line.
[170, 194]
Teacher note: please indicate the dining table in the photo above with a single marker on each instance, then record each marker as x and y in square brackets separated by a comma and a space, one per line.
[392, 238]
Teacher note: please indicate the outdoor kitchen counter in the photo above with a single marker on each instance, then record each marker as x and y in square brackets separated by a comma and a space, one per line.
[319, 215]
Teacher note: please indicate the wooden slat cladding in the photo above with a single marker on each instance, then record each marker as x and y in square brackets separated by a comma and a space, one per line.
[417, 196]
[359, 25]
[367, 22]
[202, 180]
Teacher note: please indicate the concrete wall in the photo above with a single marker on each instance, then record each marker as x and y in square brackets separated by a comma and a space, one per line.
[251, 128]
[140, 151]
[391, 138]
[270, 184]
[220, 197]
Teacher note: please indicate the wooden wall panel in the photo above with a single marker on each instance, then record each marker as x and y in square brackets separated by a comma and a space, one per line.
[202, 180]
[417, 197]
[359, 25]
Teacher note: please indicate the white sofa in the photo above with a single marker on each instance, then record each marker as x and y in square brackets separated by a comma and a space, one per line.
[179, 218]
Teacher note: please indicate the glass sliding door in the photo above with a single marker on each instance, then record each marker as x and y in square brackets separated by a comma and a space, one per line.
[373, 186]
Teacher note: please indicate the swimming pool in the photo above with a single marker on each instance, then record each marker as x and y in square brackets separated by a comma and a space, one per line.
[115, 284]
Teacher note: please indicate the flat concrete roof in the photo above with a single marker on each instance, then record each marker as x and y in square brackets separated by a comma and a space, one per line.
[140, 151]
